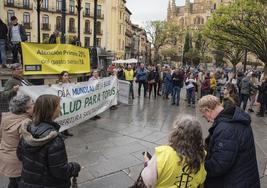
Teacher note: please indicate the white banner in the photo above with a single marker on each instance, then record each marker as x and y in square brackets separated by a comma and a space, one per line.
[79, 102]
[124, 92]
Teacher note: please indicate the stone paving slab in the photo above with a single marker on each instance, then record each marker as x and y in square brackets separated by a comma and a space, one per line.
[110, 149]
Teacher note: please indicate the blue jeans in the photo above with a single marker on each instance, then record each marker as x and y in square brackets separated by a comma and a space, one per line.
[3, 51]
[191, 95]
[176, 90]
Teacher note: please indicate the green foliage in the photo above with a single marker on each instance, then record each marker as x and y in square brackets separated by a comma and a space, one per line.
[161, 33]
[169, 52]
[192, 57]
[242, 25]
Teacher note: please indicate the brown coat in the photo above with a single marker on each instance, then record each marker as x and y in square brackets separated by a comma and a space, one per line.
[10, 133]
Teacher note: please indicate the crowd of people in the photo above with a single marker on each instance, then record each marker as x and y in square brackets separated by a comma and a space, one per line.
[248, 90]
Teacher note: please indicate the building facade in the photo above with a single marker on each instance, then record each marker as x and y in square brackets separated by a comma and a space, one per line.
[51, 18]
[193, 15]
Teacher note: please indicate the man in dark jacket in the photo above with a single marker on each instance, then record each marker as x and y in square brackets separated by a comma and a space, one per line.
[53, 37]
[17, 34]
[3, 37]
[231, 159]
[15, 81]
[177, 82]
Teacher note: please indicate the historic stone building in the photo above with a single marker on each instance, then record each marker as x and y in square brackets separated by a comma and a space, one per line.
[193, 15]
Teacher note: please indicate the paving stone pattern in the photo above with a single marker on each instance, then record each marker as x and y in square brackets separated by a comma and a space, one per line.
[110, 149]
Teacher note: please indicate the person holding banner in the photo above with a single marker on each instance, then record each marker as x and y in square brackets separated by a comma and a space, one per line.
[42, 149]
[12, 85]
[95, 77]
[64, 78]
[129, 76]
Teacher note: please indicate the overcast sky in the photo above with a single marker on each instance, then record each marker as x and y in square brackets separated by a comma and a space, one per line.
[146, 10]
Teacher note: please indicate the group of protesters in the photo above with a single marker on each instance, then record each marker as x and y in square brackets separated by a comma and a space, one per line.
[248, 90]
[32, 151]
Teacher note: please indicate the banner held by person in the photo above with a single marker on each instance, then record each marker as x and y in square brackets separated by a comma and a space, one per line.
[79, 102]
[53, 58]
[124, 92]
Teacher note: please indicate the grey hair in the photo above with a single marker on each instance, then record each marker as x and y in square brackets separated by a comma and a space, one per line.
[18, 104]
[187, 140]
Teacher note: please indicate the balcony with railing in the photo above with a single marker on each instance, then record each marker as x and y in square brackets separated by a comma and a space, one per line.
[46, 27]
[27, 25]
[72, 30]
[100, 16]
[87, 14]
[58, 27]
[87, 31]
[19, 5]
[99, 32]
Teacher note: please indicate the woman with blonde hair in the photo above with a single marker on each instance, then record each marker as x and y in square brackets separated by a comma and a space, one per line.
[181, 163]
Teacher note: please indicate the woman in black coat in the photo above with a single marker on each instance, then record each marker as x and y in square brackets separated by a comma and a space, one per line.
[42, 149]
[262, 97]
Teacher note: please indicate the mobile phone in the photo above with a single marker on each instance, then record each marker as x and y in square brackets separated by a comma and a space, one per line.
[147, 154]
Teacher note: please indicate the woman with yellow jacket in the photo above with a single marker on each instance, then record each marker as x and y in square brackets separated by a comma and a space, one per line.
[181, 163]
[213, 84]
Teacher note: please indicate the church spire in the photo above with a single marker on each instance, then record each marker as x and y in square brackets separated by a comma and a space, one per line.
[171, 9]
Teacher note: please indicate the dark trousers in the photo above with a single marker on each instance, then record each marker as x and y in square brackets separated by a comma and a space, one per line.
[159, 84]
[176, 90]
[244, 98]
[140, 83]
[150, 86]
[16, 49]
[14, 182]
[131, 89]
[191, 95]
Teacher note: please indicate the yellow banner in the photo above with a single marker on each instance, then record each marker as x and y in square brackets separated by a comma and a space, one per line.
[54, 58]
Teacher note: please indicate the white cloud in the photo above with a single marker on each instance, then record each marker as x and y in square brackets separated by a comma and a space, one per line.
[147, 10]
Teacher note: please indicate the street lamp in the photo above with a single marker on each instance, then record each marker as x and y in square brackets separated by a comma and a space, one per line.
[95, 22]
[38, 9]
[79, 8]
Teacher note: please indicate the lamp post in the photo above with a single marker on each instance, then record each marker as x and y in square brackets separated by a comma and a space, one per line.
[38, 9]
[95, 22]
[79, 8]
[63, 22]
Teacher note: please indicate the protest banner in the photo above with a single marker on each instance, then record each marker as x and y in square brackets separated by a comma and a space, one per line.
[54, 58]
[124, 92]
[79, 102]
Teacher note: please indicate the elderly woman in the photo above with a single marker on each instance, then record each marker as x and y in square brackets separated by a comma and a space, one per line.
[21, 108]
[181, 162]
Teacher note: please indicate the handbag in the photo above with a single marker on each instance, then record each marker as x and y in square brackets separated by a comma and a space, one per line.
[139, 183]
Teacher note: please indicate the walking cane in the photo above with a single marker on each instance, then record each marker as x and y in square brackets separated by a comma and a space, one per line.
[74, 182]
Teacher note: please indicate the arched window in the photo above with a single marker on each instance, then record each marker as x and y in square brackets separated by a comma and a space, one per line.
[87, 26]
[58, 23]
[98, 27]
[26, 17]
[10, 13]
[72, 25]
[45, 22]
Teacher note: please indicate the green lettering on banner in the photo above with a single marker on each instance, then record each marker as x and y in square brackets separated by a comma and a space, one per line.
[74, 106]
[64, 109]
[92, 100]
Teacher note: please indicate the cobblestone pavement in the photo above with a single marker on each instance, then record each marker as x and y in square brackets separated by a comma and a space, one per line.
[110, 149]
